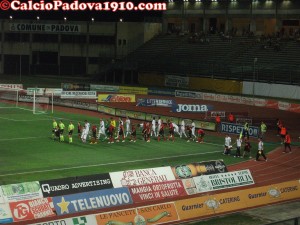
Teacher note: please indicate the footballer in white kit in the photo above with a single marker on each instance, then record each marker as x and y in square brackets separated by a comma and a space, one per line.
[102, 129]
[127, 122]
[182, 129]
[153, 128]
[85, 131]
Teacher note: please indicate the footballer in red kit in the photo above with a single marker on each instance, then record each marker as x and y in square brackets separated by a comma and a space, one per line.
[201, 134]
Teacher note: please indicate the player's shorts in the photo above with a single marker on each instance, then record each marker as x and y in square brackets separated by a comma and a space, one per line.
[70, 132]
[171, 132]
[121, 132]
[202, 135]
[133, 133]
[161, 132]
[246, 149]
[53, 130]
[79, 131]
[94, 134]
[282, 135]
[61, 131]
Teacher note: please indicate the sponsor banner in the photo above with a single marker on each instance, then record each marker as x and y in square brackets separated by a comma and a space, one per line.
[272, 193]
[188, 94]
[157, 191]
[198, 169]
[191, 108]
[243, 120]
[80, 220]
[79, 94]
[193, 208]
[107, 110]
[165, 119]
[176, 81]
[131, 114]
[32, 209]
[220, 113]
[246, 101]
[295, 108]
[1, 196]
[133, 90]
[158, 91]
[38, 91]
[157, 214]
[155, 102]
[75, 87]
[220, 181]
[141, 176]
[45, 27]
[225, 202]
[5, 213]
[38, 99]
[54, 91]
[11, 87]
[104, 88]
[92, 200]
[116, 98]
[237, 129]
[21, 191]
[205, 125]
[72, 185]
[121, 217]
[75, 103]
[209, 96]
[189, 186]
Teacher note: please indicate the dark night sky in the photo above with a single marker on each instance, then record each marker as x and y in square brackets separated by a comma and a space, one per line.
[84, 15]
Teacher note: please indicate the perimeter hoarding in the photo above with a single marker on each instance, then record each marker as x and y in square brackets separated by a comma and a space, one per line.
[79, 94]
[157, 191]
[21, 191]
[107, 110]
[104, 88]
[220, 181]
[72, 185]
[92, 200]
[116, 98]
[121, 217]
[130, 114]
[11, 87]
[232, 128]
[152, 102]
[197, 169]
[32, 209]
[133, 90]
[5, 213]
[141, 176]
[158, 214]
[80, 220]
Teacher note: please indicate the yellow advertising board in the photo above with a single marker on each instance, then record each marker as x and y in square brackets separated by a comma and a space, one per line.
[133, 90]
[272, 193]
[157, 214]
[125, 216]
[194, 207]
[116, 98]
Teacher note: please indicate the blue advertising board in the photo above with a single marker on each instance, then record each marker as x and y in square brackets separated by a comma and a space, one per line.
[155, 102]
[195, 108]
[92, 200]
[232, 128]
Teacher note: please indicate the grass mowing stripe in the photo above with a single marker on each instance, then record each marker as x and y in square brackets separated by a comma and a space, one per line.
[106, 164]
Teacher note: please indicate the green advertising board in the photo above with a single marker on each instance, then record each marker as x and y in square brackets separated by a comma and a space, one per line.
[107, 110]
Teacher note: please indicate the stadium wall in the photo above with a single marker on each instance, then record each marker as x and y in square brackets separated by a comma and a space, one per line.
[271, 90]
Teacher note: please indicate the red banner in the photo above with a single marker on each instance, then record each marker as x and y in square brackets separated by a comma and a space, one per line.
[157, 191]
[32, 209]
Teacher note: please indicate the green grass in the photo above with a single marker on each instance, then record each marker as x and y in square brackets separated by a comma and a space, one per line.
[28, 152]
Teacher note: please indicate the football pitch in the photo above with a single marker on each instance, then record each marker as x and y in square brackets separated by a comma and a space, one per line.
[28, 152]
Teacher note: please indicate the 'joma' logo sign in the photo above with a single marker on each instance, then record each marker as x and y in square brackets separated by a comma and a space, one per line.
[191, 108]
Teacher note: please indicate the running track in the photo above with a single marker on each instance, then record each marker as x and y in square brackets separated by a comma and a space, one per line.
[280, 167]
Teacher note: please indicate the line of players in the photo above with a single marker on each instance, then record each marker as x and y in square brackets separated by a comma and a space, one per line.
[154, 129]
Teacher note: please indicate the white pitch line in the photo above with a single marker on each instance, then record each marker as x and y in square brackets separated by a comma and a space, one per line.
[105, 164]
[24, 138]
[22, 120]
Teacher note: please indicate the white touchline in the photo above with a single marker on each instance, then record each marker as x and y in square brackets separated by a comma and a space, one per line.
[105, 164]
[24, 138]
[22, 120]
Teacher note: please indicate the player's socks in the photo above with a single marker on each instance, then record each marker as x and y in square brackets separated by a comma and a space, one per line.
[70, 140]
